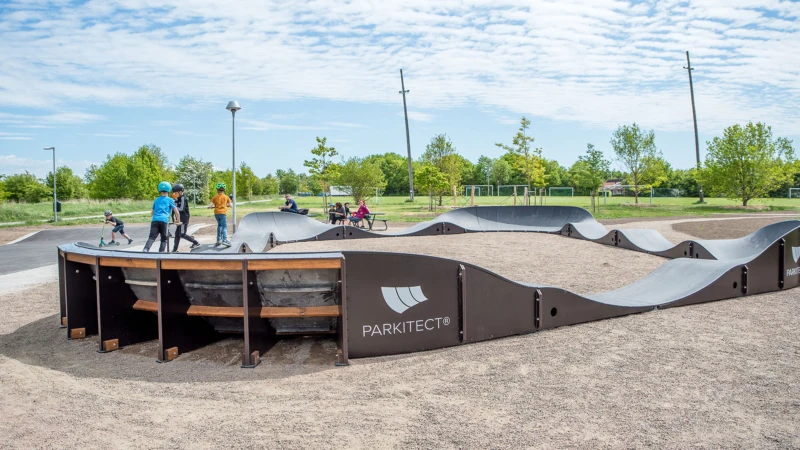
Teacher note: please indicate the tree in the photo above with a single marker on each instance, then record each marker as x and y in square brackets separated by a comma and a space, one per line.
[359, 177]
[429, 178]
[635, 149]
[269, 185]
[501, 172]
[484, 168]
[194, 174]
[395, 172]
[69, 185]
[3, 193]
[25, 187]
[322, 168]
[529, 160]
[288, 182]
[747, 162]
[591, 169]
[442, 154]
[110, 179]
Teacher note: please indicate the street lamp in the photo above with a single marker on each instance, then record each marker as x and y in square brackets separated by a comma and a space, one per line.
[55, 198]
[233, 106]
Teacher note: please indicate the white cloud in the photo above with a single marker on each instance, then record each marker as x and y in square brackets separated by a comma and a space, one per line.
[596, 62]
[418, 116]
[12, 164]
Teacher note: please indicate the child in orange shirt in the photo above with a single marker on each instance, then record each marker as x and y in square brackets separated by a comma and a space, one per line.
[220, 203]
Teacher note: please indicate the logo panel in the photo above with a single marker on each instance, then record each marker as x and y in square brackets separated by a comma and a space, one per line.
[402, 298]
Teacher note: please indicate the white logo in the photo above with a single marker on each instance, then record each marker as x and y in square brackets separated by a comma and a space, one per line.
[796, 253]
[402, 298]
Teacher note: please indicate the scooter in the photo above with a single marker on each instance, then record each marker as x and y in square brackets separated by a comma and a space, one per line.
[102, 234]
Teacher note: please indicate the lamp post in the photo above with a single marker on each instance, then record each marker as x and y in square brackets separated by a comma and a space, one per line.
[404, 91]
[233, 106]
[55, 197]
[689, 69]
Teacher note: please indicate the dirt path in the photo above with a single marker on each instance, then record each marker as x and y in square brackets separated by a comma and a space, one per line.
[721, 374]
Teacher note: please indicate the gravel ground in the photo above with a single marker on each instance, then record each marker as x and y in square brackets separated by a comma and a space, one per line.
[722, 374]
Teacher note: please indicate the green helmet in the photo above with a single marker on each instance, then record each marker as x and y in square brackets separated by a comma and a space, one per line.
[221, 186]
[164, 187]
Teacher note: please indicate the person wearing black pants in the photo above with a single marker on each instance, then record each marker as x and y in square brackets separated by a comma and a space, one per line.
[183, 210]
[163, 208]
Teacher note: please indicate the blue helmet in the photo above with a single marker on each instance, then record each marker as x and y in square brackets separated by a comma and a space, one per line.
[164, 187]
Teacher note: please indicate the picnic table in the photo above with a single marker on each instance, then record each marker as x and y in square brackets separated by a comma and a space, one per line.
[371, 218]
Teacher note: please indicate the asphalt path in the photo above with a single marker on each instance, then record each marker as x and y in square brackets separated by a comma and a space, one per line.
[40, 249]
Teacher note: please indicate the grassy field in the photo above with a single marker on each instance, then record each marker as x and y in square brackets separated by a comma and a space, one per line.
[397, 209]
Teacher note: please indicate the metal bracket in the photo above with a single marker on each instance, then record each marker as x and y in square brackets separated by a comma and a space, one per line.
[462, 292]
[537, 309]
[782, 263]
[569, 229]
[744, 280]
[691, 249]
[616, 237]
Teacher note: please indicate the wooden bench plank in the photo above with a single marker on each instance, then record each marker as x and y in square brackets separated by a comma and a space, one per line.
[294, 264]
[128, 262]
[267, 312]
[78, 258]
[194, 264]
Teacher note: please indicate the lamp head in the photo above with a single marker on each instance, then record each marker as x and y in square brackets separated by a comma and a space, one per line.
[233, 106]
[49, 148]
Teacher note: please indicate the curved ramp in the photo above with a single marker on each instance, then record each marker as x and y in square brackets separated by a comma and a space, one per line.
[383, 303]
[258, 232]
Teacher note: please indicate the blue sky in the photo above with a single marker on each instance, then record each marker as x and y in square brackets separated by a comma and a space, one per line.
[97, 77]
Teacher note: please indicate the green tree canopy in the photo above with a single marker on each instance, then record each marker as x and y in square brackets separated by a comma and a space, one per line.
[528, 160]
[322, 169]
[429, 178]
[747, 162]
[359, 177]
[69, 185]
[26, 187]
[591, 169]
[442, 154]
[395, 172]
[194, 174]
[636, 150]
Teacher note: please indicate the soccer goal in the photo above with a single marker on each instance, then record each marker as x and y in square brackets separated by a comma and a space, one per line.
[507, 190]
[666, 192]
[794, 192]
[561, 192]
[481, 190]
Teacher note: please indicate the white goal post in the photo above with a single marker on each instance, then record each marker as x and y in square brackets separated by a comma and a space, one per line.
[510, 189]
[558, 189]
[481, 190]
[794, 192]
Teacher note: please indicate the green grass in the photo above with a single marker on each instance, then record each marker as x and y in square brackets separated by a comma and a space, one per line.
[397, 209]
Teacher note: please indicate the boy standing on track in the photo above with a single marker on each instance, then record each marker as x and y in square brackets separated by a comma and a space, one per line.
[163, 208]
[182, 204]
[220, 203]
[119, 227]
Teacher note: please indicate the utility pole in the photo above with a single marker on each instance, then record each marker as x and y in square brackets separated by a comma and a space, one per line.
[689, 69]
[408, 139]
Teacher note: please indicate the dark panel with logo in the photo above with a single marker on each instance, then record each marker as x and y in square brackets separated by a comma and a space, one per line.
[790, 254]
[398, 303]
[495, 307]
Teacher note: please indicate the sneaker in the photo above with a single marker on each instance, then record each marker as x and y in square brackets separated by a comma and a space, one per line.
[194, 246]
[226, 243]
[112, 242]
[174, 250]
[129, 241]
[218, 244]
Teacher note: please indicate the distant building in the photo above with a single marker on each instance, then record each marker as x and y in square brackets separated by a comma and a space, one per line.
[614, 186]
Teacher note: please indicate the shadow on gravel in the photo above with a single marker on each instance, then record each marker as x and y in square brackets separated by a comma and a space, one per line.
[42, 343]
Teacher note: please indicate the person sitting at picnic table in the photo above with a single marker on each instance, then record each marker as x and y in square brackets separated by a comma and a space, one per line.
[338, 214]
[290, 205]
[363, 211]
[347, 213]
